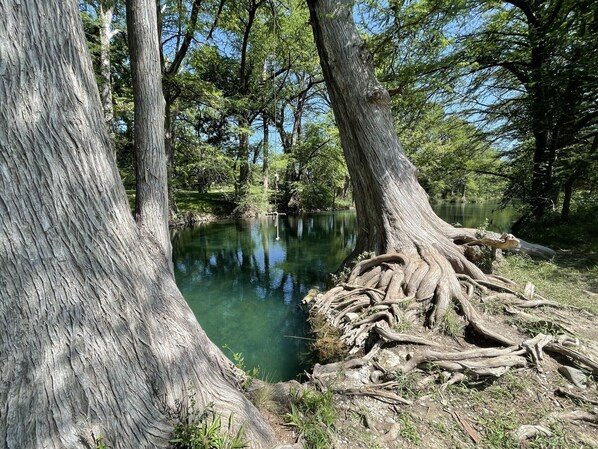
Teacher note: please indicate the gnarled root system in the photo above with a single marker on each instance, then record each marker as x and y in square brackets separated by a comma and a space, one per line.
[434, 305]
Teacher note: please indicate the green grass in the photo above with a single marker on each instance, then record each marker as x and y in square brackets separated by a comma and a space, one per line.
[217, 203]
[564, 279]
[575, 268]
[203, 429]
[498, 430]
[408, 429]
[313, 415]
[451, 325]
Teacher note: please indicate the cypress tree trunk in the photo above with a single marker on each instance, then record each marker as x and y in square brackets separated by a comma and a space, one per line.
[95, 338]
[393, 211]
[394, 216]
[151, 201]
[421, 268]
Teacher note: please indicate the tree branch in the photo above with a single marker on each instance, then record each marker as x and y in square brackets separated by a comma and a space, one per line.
[182, 51]
[526, 9]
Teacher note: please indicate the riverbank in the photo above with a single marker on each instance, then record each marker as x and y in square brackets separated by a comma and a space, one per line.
[195, 208]
[546, 403]
[440, 411]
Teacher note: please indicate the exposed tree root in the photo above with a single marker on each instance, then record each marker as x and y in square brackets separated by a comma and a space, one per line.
[416, 299]
[504, 241]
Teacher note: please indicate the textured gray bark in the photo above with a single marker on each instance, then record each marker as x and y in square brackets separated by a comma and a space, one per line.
[151, 201]
[95, 338]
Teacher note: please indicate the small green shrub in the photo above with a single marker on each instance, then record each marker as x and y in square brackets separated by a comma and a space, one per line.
[451, 325]
[313, 415]
[498, 431]
[202, 429]
[406, 384]
[100, 442]
[408, 429]
[239, 360]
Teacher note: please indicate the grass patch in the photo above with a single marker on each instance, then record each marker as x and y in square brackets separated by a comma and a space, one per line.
[558, 280]
[214, 203]
[408, 428]
[535, 327]
[451, 325]
[498, 430]
[263, 397]
[312, 414]
[203, 429]
[557, 440]
[406, 385]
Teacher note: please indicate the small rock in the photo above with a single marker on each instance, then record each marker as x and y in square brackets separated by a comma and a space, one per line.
[375, 376]
[575, 376]
[282, 391]
[389, 360]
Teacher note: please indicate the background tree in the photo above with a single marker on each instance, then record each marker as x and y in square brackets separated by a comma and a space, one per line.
[151, 199]
[511, 68]
[454, 163]
[103, 15]
[94, 335]
[179, 26]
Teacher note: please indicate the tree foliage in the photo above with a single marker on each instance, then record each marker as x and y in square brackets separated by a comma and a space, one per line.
[521, 71]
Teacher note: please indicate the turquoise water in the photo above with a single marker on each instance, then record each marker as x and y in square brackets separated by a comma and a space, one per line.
[245, 286]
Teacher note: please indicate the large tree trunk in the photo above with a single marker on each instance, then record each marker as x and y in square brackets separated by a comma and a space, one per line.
[393, 211]
[419, 275]
[394, 216]
[151, 201]
[95, 338]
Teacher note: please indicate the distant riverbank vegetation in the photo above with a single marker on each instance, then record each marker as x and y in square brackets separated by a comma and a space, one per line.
[480, 108]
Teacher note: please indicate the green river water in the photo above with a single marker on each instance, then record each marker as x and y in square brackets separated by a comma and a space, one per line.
[245, 286]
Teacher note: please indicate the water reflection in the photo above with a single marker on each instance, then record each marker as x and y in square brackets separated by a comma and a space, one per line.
[473, 215]
[244, 286]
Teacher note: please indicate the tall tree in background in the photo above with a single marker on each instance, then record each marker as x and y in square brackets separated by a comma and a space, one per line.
[95, 338]
[103, 10]
[151, 200]
[538, 59]
[245, 115]
[174, 48]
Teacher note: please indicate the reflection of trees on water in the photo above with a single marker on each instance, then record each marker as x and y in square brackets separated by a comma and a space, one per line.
[246, 253]
[244, 286]
[474, 215]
